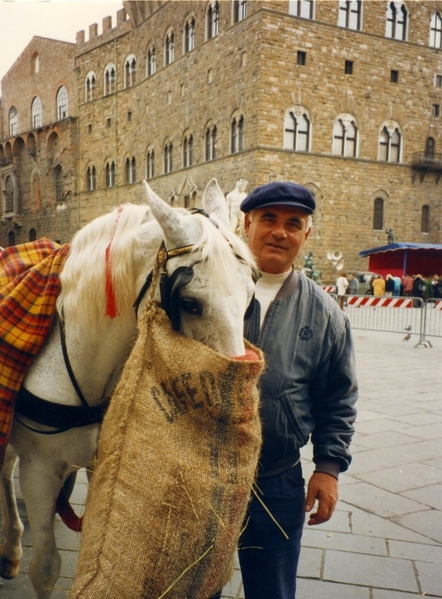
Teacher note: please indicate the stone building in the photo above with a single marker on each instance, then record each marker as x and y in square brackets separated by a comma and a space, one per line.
[341, 96]
[38, 144]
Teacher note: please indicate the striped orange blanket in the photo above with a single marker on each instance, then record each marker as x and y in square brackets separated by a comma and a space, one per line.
[29, 287]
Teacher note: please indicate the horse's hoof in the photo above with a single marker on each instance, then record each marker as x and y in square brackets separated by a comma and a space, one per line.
[8, 569]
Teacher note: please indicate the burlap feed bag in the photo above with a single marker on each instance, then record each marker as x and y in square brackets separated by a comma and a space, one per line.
[176, 462]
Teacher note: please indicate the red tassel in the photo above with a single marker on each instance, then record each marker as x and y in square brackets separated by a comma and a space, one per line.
[111, 301]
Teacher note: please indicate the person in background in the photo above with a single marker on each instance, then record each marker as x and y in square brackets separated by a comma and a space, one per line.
[418, 287]
[353, 285]
[341, 289]
[397, 286]
[379, 286]
[308, 389]
[407, 285]
[436, 287]
[389, 285]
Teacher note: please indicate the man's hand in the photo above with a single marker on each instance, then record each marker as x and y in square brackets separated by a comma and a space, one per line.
[323, 488]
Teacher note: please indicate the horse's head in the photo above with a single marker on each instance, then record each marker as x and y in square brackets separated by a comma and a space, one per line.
[207, 286]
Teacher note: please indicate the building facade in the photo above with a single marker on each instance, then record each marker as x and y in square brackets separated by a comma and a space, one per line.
[341, 96]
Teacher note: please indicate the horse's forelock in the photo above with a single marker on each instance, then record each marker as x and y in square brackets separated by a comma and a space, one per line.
[222, 247]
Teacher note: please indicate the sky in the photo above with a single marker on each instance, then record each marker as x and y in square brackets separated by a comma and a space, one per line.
[20, 20]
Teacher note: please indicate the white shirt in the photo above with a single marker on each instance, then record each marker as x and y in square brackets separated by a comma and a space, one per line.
[266, 289]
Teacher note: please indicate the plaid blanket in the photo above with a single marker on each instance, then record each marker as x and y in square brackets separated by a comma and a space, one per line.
[29, 287]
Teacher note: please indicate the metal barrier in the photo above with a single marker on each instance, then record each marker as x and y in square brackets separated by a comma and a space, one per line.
[388, 314]
[431, 322]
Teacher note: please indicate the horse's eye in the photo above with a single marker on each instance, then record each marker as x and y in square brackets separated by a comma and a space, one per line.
[190, 306]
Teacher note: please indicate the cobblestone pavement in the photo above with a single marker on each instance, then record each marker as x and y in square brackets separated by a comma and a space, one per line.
[385, 539]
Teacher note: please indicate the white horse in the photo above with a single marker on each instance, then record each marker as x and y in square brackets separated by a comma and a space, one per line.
[209, 307]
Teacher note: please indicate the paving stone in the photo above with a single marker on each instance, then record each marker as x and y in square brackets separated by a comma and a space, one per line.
[315, 589]
[416, 551]
[310, 562]
[428, 431]
[369, 570]
[376, 500]
[430, 578]
[428, 523]
[344, 542]
[384, 439]
[420, 418]
[431, 495]
[403, 478]
[383, 594]
[373, 525]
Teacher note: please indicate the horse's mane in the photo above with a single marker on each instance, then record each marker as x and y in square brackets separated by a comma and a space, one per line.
[83, 279]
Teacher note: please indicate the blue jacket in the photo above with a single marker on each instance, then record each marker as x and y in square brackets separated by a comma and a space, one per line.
[309, 384]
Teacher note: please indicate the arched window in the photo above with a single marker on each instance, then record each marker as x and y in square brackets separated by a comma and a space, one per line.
[13, 121]
[430, 148]
[211, 142]
[109, 80]
[390, 144]
[169, 48]
[212, 20]
[168, 158]
[9, 195]
[436, 31]
[91, 178]
[425, 219]
[345, 137]
[58, 180]
[237, 134]
[350, 14]
[397, 16]
[130, 71]
[131, 170]
[32, 234]
[151, 64]
[239, 10]
[188, 150]
[62, 103]
[302, 8]
[36, 113]
[378, 214]
[296, 130]
[11, 238]
[110, 174]
[189, 35]
[150, 164]
[89, 87]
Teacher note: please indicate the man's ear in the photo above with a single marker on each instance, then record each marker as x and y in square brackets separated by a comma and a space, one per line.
[307, 233]
[247, 222]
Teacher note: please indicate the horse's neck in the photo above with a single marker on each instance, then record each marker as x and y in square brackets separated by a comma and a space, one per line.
[96, 361]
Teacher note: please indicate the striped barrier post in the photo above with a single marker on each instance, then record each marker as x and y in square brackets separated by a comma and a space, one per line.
[329, 288]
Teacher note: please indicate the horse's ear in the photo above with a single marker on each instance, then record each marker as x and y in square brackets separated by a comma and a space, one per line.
[215, 203]
[170, 221]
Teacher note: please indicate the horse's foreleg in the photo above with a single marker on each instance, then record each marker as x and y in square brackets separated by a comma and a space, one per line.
[10, 549]
[40, 494]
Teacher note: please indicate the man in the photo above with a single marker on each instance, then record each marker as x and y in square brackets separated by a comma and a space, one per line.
[379, 286]
[353, 284]
[308, 387]
[341, 289]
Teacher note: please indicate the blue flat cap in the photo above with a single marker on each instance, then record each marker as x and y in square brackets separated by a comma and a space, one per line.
[279, 193]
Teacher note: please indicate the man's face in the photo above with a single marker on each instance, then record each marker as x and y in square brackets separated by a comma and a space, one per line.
[276, 235]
